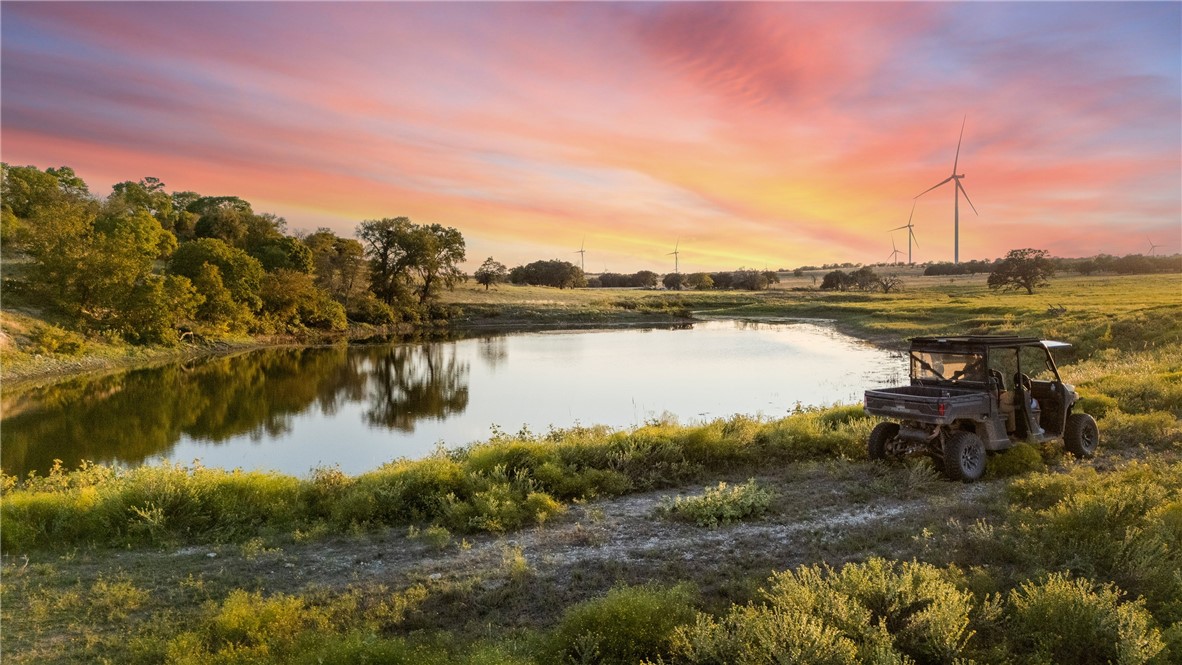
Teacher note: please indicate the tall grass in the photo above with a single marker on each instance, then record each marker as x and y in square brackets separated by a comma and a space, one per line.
[496, 486]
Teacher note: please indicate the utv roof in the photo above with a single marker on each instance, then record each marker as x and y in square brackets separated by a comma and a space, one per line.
[984, 340]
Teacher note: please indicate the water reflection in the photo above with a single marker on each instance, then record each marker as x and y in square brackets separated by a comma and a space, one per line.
[131, 417]
[414, 382]
[359, 406]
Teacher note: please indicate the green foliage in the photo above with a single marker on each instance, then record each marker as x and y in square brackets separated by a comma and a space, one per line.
[559, 274]
[241, 274]
[1155, 430]
[1097, 406]
[1021, 459]
[410, 262]
[146, 505]
[1065, 620]
[491, 272]
[1121, 526]
[627, 625]
[52, 339]
[722, 504]
[876, 612]
[292, 303]
[1022, 269]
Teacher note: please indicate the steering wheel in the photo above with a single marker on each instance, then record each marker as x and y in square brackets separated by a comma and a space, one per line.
[1022, 381]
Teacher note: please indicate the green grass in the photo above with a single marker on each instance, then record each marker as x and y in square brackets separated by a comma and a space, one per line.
[501, 485]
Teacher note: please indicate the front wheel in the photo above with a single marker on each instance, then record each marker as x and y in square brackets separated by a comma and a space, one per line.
[964, 457]
[880, 436]
[1081, 436]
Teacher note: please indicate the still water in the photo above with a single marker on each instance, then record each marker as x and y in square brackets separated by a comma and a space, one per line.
[359, 406]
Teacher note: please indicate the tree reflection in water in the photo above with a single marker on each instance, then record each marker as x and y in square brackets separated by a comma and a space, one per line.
[130, 417]
[411, 382]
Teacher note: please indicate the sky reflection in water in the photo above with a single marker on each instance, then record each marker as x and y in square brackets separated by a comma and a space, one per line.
[357, 407]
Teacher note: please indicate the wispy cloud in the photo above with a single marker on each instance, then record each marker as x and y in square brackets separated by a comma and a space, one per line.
[762, 133]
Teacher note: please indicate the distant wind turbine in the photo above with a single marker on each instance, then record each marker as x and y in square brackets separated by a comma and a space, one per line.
[910, 232]
[582, 254]
[1152, 247]
[958, 190]
[676, 256]
[894, 251]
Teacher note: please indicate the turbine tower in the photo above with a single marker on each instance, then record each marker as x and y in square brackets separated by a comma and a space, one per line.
[675, 254]
[894, 255]
[910, 232]
[582, 255]
[957, 191]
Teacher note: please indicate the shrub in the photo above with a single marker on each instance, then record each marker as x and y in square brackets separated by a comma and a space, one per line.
[1156, 430]
[50, 339]
[627, 625]
[878, 611]
[721, 505]
[1098, 405]
[1065, 620]
[1022, 458]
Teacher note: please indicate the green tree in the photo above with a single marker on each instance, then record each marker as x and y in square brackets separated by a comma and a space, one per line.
[435, 254]
[291, 302]
[699, 281]
[409, 261]
[384, 243]
[1022, 269]
[241, 274]
[338, 263]
[491, 272]
[560, 274]
[674, 281]
[149, 195]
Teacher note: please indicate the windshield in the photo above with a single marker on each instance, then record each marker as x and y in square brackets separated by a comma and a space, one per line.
[954, 367]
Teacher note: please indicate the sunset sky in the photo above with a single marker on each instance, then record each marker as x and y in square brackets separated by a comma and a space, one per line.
[759, 135]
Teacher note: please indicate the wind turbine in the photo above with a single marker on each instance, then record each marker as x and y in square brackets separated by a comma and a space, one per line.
[958, 190]
[894, 251]
[910, 232]
[582, 254]
[1152, 247]
[675, 254]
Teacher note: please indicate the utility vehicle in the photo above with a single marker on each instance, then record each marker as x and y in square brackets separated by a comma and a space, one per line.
[973, 395]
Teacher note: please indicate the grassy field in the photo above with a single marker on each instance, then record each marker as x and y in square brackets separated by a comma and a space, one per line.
[595, 546]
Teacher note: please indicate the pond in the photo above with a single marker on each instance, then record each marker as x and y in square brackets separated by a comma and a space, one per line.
[359, 406]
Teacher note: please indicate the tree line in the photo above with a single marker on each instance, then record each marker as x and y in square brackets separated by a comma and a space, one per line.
[153, 266]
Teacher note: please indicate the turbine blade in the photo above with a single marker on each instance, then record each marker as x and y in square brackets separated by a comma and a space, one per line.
[958, 141]
[933, 187]
[966, 197]
[912, 213]
[913, 238]
[899, 228]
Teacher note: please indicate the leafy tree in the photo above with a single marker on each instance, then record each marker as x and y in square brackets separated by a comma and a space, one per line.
[699, 281]
[291, 302]
[1022, 269]
[218, 310]
[241, 274]
[556, 273]
[436, 253]
[384, 241]
[148, 195]
[491, 272]
[673, 281]
[837, 280]
[338, 263]
[158, 306]
[285, 253]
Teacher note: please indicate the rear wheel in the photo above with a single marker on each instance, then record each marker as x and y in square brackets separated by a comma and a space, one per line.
[1081, 436]
[964, 457]
[879, 437]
